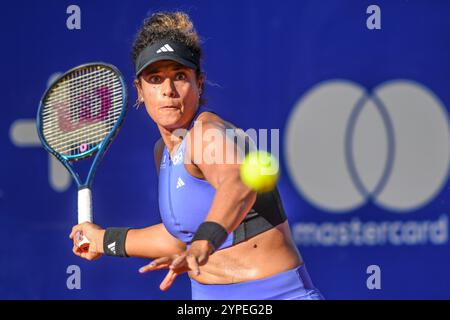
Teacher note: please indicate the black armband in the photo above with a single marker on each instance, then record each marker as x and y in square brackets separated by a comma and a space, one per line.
[114, 242]
[213, 232]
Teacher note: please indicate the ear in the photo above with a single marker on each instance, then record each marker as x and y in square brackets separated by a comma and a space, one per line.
[137, 85]
[201, 82]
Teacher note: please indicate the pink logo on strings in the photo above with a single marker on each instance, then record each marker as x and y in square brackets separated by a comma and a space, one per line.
[85, 116]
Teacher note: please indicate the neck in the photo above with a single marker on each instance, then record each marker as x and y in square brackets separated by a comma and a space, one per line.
[170, 139]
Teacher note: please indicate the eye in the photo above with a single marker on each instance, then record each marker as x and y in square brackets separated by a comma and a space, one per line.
[155, 79]
[180, 76]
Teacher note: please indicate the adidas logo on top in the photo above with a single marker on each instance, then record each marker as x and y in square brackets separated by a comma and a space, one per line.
[165, 48]
[180, 183]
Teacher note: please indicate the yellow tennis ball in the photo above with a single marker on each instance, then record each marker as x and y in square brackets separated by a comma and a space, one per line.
[260, 171]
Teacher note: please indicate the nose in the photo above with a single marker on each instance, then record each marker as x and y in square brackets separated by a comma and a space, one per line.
[168, 88]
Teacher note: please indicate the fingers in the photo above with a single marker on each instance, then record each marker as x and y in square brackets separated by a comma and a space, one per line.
[193, 264]
[178, 262]
[85, 255]
[76, 251]
[80, 228]
[201, 249]
[176, 265]
[156, 264]
[76, 230]
[186, 260]
[77, 235]
[168, 280]
[202, 259]
[89, 256]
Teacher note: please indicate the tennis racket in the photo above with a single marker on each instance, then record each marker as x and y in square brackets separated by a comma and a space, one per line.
[79, 115]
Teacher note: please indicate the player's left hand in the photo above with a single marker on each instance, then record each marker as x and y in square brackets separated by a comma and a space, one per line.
[188, 261]
[196, 256]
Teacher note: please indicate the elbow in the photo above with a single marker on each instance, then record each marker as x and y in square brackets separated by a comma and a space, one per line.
[246, 201]
[247, 195]
[250, 195]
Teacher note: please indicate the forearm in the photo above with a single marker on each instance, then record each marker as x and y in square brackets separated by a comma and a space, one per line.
[151, 242]
[232, 201]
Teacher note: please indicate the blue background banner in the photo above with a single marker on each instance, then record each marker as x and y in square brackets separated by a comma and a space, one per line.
[363, 126]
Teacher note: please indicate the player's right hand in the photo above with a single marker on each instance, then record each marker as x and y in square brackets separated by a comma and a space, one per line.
[95, 236]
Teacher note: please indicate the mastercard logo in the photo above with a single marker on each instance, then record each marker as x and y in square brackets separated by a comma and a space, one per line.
[346, 146]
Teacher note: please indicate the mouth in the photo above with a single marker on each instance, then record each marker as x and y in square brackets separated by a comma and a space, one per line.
[170, 108]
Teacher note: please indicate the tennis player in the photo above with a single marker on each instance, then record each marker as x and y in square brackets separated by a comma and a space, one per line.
[232, 242]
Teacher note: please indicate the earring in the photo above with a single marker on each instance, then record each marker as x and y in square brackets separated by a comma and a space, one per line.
[138, 102]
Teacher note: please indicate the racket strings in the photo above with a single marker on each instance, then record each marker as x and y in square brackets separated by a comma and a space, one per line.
[93, 133]
[81, 110]
[54, 125]
[72, 91]
[51, 119]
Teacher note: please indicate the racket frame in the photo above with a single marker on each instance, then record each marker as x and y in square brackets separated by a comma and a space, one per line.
[100, 149]
[84, 188]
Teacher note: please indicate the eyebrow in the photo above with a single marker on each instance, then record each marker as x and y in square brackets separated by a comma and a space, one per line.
[175, 66]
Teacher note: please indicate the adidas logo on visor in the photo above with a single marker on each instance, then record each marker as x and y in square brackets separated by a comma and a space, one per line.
[165, 48]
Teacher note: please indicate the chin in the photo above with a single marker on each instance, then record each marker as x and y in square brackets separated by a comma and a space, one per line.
[171, 121]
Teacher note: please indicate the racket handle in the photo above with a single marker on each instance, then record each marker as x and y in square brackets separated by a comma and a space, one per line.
[84, 214]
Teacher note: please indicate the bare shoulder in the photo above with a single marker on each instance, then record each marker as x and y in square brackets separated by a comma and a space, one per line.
[212, 120]
[207, 124]
[209, 116]
[209, 128]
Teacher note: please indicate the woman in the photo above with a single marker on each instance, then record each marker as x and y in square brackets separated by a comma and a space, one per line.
[233, 243]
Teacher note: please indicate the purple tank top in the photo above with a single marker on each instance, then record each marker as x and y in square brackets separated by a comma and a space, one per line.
[184, 200]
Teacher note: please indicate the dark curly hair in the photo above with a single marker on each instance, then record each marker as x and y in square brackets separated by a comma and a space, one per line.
[176, 26]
